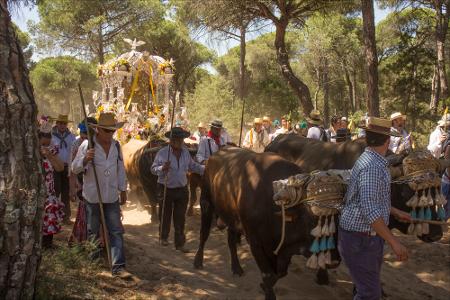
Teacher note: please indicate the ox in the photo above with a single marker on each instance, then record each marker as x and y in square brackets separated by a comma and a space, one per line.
[313, 155]
[237, 186]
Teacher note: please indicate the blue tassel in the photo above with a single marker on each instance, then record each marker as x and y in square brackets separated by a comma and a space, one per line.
[421, 214]
[441, 213]
[315, 246]
[323, 243]
[413, 214]
[428, 213]
[330, 244]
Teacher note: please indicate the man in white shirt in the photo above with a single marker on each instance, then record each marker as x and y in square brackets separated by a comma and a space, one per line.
[63, 139]
[107, 157]
[267, 124]
[200, 133]
[284, 129]
[403, 141]
[256, 138]
[211, 143]
[316, 131]
[438, 136]
[171, 165]
[332, 131]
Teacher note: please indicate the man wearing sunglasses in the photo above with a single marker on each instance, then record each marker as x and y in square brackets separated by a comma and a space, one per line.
[107, 157]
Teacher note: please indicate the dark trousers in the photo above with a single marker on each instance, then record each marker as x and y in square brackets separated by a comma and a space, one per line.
[175, 204]
[62, 189]
[363, 256]
[115, 230]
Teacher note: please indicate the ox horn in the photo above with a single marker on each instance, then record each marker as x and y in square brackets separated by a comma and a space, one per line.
[444, 163]
[396, 171]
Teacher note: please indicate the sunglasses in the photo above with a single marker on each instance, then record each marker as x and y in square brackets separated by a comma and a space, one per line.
[108, 130]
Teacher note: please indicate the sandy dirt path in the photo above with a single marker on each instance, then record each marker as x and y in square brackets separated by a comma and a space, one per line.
[168, 274]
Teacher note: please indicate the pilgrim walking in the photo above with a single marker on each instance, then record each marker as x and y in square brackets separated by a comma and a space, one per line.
[171, 165]
[107, 157]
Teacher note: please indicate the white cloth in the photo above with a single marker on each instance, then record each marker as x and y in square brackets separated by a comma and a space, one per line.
[206, 148]
[64, 150]
[197, 136]
[398, 144]
[314, 133]
[110, 173]
[435, 145]
[331, 133]
[258, 142]
[225, 137]
[277, 132]
[176, 176]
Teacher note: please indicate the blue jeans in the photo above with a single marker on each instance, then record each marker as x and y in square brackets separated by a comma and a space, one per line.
[445, 188]
[363, 256]
[115, 230]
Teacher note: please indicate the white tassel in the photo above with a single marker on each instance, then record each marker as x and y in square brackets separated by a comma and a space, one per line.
[423, 200]
[429, 198]
[425, 228]
[328, 257]
[312, 262]
[413, 200]
[418, 229]
[332, 226]
[325, 231]
[317, 231]
[321, 260]
[411, 229]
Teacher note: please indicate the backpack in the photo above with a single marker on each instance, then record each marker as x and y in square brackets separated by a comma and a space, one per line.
[323, 135]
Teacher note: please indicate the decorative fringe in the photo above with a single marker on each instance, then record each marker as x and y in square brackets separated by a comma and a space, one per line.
[423, 200]
[323, 243]
[411, 229]
[331, 244]
[325, 229]
[429, 198]
[412, 202]
[413, 213]
[315, 247]
[421, 214]
[328, 258]
[312, 262]
[428, 215]
[425, 228]
[321, 260]
[332, 225]
[317, 231]
[441, 213]
[418, 229]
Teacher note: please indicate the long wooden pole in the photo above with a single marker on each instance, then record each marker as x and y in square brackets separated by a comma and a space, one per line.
[99, 194]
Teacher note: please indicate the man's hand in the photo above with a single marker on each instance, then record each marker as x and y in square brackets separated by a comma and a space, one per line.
[123, 198]
[166, 166]
[443, 137]
[399, 250]
[89, 156]
[401, 215]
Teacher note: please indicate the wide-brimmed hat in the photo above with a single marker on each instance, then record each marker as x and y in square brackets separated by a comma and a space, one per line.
[177, 133]
[314, 118]
[342, 134]
[62, 118]
[257, 121]
[379, 125]
[201, 125]
[107, 121]
[397, 115]
[216, 123]
[267, 119]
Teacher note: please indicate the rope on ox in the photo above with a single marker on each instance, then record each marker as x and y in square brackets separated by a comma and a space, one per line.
[324, 196]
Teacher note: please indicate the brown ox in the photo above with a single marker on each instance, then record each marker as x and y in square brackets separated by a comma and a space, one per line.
[237, 186]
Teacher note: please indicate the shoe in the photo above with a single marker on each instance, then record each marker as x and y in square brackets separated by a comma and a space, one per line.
[164, 243]
[122, 274]
[182, 249]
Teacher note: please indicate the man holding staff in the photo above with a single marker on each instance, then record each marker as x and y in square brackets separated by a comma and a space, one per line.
[171, 165]
[110, 169]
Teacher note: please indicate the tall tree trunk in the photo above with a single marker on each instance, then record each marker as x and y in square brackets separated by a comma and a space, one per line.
[373, 101]
[441, 33]
[435, 90]
[350, 87]
[22, 193]
[299, 88]
[326, 94]
[101, 49]
[242, 54]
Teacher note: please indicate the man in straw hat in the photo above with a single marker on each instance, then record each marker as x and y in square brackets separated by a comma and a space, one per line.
[172, 174]
[267, 124]
[439, 136]
[107, 156]
[284, 129]
[316, 130]
[402, 141]
[200, 133]
[63, 139]
[365, 215]
[211, 143]
[256, 138]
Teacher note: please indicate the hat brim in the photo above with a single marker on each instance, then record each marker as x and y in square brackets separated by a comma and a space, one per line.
[215, 126]
[59, 120]
[180, 135]
[118, 125]
[313, 121]
[399, 117]
[390, 133]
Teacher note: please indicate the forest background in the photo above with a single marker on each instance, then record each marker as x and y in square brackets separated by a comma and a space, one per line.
[66, 42]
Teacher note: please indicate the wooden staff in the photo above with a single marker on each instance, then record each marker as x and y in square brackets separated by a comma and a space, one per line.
[242, 121]
[432, 222]
[100, 201]
[167, 173]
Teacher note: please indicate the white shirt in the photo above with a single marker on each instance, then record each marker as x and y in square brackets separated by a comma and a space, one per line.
[110, 173]
[396, 142]
[225, 137]
[435, 145]
[279, 131]
[206, 148]
[258, 142]
[314, 133]
[64, 148]
[176, 176]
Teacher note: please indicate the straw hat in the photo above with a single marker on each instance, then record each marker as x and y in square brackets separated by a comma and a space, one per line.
[201, 125]
[62, 118]
[267, 119]
[314, 118]
[397, 115]
[216, 123]
[108, 121]
[257, 121]
[177, 133]
[379, 125]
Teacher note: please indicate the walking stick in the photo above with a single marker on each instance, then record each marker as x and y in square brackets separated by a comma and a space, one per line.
[100, 201]
[242, 120]
[167, 173]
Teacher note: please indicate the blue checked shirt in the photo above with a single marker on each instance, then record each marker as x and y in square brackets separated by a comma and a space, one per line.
[368, 195]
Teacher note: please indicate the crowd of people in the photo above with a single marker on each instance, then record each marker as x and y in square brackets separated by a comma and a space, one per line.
[71, 174]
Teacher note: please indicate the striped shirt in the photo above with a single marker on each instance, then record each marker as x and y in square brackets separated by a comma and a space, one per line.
[368, 195]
